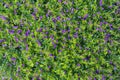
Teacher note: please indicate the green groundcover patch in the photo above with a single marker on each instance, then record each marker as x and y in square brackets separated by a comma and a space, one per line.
[59, 40]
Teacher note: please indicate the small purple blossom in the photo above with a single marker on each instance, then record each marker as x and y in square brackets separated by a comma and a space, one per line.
[65, 2]
[15, 27]
[63, 31]
[19, 31]
[41, 17]
[51, 54]
[76, 29]
[13, 59]
[59, 50]
[11, 31]
[85, 17]
[111, 28]
[75, 35]
[87, 58]
[59, 1]
[105, 22]
[16, 39]
[29, 58]
[40, 30]
[100, 16]
[58, 18]
[26, 47]
[1, 40]
[27, 33]
[95, 79]
[78, 64]
[107, 36]
[100, 3]
[68, 18]
[54, 20]
[3, 17]
[101, 23]
[55, 45]
[49, 67]
[47, 15]
[97, 71]
[52, 37]
[103, 77]
[39, 43]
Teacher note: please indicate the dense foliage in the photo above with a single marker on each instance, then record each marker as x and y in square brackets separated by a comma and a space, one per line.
[59, 40]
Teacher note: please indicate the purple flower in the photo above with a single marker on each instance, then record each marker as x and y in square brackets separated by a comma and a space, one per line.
[85, 17]
[39, 43]
[68, 30]
[110, 7]
[111, 28]
[63, 31]
[16, 39]
[78, 64]
[97, 71]
[37, 63]
[105, 22]
[76, 29]
[111, 63]
[109, 51]
[55, 45]
[23, 65]
[52, 37]
[68, 18]
[60, 1]
[59, 50]
[100, 16]
[95, 79]
[47, 15]
[103, 77]
[102, 8]
[54, 20]
[15, 27]
[40, 30]
[34, 15]
[19, 31]
[11, 79]
[101, 23]
[3, 17]
[46, 32]
[75, 35]
[58, 18]
[1, 40]
[100, 3]
[88, 57]
[107, 36]
[98, 12]
[51, 54]
[13, 58]
[11, 31]
[29, 58]
[41, 17]
[65, 2]
[26, 47]
[27, 33]
[69, 37]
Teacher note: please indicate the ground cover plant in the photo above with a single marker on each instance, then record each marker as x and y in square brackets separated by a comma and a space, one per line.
[59, 40]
